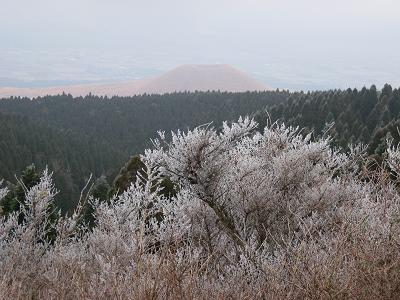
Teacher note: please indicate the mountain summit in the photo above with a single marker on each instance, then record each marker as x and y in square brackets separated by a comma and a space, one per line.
[184, 78]
[203, 78]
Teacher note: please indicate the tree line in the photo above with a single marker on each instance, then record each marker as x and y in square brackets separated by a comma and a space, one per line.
[76, 137]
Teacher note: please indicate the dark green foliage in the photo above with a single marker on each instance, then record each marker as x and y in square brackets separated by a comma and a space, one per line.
[16, 195]
[168, 188]
[76, 137]
[69, 156]
[365, 115]
[101, 189]
[128, 174]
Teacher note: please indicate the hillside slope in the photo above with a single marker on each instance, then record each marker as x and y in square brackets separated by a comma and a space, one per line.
[84, 135]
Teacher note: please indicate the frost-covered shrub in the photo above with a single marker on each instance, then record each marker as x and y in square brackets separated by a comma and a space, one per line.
[256, 190]
[268, 214]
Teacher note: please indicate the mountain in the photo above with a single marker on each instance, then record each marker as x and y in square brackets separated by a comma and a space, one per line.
[184, 78]
[203, 78]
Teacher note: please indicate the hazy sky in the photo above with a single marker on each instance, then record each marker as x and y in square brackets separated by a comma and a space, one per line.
[296, 42]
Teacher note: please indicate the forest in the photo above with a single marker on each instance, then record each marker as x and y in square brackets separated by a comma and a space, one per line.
[179, 196]
[77, 137]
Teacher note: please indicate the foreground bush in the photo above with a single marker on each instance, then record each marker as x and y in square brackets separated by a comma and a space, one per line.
[257, 215]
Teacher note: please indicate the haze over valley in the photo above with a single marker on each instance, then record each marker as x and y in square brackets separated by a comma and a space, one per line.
[186, 78]
[296, 45]
[287, 69]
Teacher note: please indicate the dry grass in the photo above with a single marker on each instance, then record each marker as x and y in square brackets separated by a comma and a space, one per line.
[298, 221]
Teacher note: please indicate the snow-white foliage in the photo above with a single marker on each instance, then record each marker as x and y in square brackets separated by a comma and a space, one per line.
[3, 191]
[394, 157]
[268, 214]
